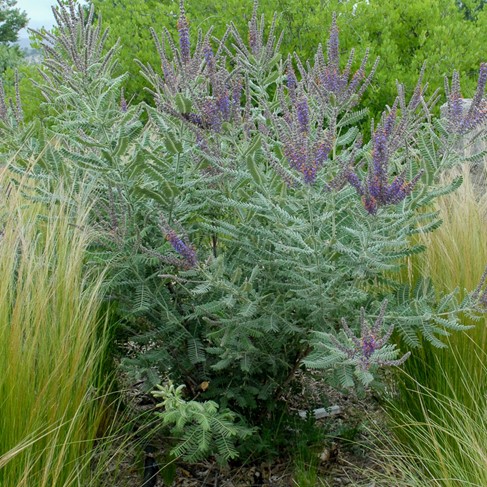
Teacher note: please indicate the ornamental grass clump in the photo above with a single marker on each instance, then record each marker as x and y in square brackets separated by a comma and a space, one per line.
[53, 342]
[244, 215]
[438, 417]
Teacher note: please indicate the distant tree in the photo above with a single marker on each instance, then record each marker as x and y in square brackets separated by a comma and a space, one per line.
[11, 20]
[10, 57]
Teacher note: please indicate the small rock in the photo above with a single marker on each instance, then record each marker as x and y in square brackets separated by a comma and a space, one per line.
[322, 412]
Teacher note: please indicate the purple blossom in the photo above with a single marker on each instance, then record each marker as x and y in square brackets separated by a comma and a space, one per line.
[459, 120]
[211, 114]
[195, 119]
[306, 156]
[369, 346]
[400, 188]
[296, 153]
[333, 45]
[285, 175]
[322, 151]
[376, 191]
[330, 80]
[169, 75]
[183, 30]
[455, 103]
[209, 57]
[363, 349]
[378, 178]
[355, 182]
[184, 249]
[390, 119]
[303, 147]
[198, 74]
[215, 110]
[237, 92]
[309, 171]
[302, 114]
[291, 81]
[223, 104]
[254, 37]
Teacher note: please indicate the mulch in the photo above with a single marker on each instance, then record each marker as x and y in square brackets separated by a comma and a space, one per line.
[346, 457]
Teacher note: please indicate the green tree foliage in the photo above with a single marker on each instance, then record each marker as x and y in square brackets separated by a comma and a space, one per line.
[402, 34]
[131, 22]
[11, 21]
[10, 57]
[471, 8]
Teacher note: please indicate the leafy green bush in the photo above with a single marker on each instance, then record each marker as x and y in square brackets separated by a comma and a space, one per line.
[202, 427]
[245, 221]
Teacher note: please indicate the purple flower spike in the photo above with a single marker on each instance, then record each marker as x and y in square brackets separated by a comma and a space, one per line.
[355, 182]
[455, 106]
[369, 346]
[363, 350]
[237, 93]
[309, 173]
[305, 146]
[183, 30]
[223, 104]
[183, 248]
[209, 57]
[335, 84]
[333, 44]
[212, 115]
[390, 119]
[322, 151]
[378, 178]
[254, 38]
[291, 81]
[459, 120]
[302, 113]
[376, 191]
[479, 92]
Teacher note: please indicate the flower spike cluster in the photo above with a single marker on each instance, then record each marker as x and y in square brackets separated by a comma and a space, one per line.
[459, 120]
[306, 145]
[260, 50]
[364, 348]
[181, 245]
[305, 153]
[210, 93]
[327, 78]
[183, 31]
[376, 191]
